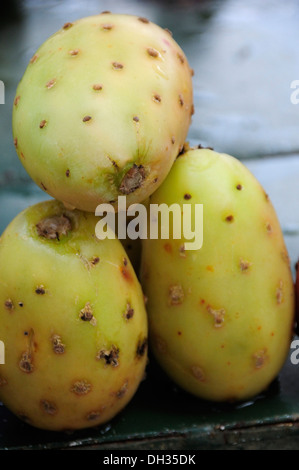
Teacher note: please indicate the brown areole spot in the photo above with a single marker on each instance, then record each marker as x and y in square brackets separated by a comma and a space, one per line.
[15, 141]
[51, 83]
[8, 304]
[160, 344]
[152, 52]
[285, 257]
[117, 65]
[229, 218]
[86, 118]
[143, 20]
[279, 293]
[74, 52]
[260, 358]
[181, 100]
[49, 407]
[54, 227]
[132, 180]
[25, 363]
[244, 265]
[129, 313]
[182, 251]
[187, 196]
[23, 417]
[67, 25]
[57, 345]
[67, 173]
[17, 99]
[97, 87]
[86, 314]
[136, 118]
[181, 57]
[141, 347]
[126, 274]
[42, 124]
[175, 294]
[107, 27]
[198, 373]
[110, 357]
[157, 98]
[218, 315]
[123, 390]
[93, 415]
[95, 260]
[40, 290]
[80, 387]
[34, 59]
[239, 187]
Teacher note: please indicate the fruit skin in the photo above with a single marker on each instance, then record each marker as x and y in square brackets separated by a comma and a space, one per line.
[102, 110]
[220, 318]
[75, 352]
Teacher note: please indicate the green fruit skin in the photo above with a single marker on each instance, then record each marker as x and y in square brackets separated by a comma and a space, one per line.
[221, 318]
[103, 109]
[44, 286]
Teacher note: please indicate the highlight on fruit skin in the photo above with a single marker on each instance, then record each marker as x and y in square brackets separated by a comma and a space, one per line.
[75, 353]
[221, 318]
[102, 110]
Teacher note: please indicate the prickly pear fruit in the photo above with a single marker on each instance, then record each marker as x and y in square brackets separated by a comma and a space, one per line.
[75, 352]
[102, 110]
[220, 317]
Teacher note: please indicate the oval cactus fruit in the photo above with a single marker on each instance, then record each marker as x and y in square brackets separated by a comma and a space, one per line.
[102, 110]
[221, 317]
[75, 352]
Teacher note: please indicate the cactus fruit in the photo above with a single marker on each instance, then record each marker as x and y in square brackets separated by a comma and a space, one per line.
[72, 319]
[102, 110]
[221, 317]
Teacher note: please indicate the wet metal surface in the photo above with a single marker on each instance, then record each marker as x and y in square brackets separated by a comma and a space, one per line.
[245, 56]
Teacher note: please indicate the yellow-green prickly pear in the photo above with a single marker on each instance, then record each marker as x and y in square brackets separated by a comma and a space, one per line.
[72, 319]
[102, 110]
[221, 317]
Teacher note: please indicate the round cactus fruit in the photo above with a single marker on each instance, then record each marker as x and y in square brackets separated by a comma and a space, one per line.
[102, 110]
[72, 319]
[221, 317]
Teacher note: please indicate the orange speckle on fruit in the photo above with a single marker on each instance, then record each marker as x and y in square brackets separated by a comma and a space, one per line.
[126, 274]
[168, 247]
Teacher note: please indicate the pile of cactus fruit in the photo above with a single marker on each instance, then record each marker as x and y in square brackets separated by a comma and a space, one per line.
[103, 110]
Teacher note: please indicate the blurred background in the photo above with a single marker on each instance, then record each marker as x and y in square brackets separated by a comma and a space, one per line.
[245, 55]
